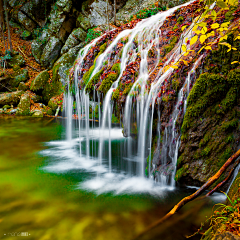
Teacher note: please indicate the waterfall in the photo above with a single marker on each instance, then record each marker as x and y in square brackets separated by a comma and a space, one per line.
[140, 101]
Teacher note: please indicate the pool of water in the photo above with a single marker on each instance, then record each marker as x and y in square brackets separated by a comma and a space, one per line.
[49, 192]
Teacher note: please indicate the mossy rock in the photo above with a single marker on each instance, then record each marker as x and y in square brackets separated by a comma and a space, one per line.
[11, 98]
[22, 86]
[40, 81]
[52, 88]
[22, 76]
[16, 60]
[24, 106]
[53, 103]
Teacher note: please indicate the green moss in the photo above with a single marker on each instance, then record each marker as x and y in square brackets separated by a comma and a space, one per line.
[168, 48]
[176, 84]
[107, 82]
[230, 125]
[180, 20]
[103, 47]
[181, 172]
[39, 82]
[224, 156]
[51, 89]
[116, 68]
[229, 14]
[127, 89]
[115, 95]
[94, 80]
[88, 74]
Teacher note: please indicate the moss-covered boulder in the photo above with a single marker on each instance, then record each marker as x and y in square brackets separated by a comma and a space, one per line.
[22, 86]
[40, 81]
[24, 105]
[10, 98]
[16, 60]
[53, 103]
[21, 76]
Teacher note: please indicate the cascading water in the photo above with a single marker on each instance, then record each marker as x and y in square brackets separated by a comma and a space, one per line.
[140, 101]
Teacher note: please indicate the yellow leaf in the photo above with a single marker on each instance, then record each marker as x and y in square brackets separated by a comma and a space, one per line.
[186, 40]
[225, 24]
[183, 27]
[213, 13]
[215, 25]
[203, 38]
[193, 40]
[221, 4]
[185, 62]
[208, 48]
[174, 67]
[204, 30]
[234, 49]
[234, 62]
[229, 50]
[238, 37]
[223, 38]
[198, 32]
[184, 48]
[185, 54]
[202, 24]
[195, 28]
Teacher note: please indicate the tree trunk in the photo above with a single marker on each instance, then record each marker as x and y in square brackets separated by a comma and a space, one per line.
[115, 12]
[108, 17]
[7, 22]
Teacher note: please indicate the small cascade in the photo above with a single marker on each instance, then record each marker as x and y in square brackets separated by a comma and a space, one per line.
[171, 140]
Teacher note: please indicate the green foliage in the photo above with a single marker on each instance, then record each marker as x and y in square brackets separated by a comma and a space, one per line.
[148, 12]
[92, 34]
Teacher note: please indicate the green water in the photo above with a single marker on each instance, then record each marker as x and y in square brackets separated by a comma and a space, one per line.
[48, 206]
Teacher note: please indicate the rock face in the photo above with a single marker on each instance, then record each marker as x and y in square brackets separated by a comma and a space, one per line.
[31, 12]
[24, 105]
[210, 130]
[39, 82]
[47, 47]
[12, 98]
